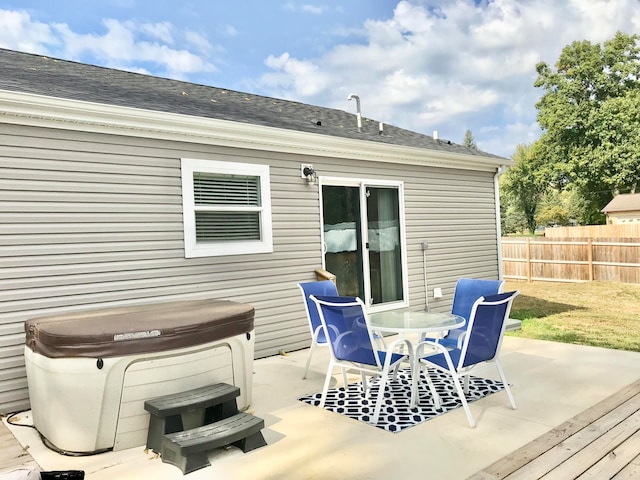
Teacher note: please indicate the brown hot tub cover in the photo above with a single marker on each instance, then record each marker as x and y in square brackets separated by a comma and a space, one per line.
[157, 327]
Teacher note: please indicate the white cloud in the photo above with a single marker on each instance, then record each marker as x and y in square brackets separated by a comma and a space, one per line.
[314, 9]
[504, 139]
[453, 65]
[229, 31]
[199, 41]
[307, 8]
[598, 17]
[305, 78]
[18, 31]
[123, 44]
[160, 31]
[116, 44]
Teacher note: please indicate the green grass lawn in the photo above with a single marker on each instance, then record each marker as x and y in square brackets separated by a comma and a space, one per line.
[601, 314]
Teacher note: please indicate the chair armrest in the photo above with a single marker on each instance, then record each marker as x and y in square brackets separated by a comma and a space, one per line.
[434, 336]
[401, 342]
[437, 346]
[441, 349]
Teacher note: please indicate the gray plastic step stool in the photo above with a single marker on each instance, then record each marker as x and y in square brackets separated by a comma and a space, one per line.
[188, 450]
[187, 410]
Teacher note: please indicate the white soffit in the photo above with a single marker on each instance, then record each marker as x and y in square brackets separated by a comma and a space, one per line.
[61, 113]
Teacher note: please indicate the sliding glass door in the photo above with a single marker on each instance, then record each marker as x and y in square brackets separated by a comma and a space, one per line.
[363, 236]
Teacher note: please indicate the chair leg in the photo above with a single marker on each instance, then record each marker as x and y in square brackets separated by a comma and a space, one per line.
[463, 399]
[311, 349]
[415, 375]
[345, 382]
[379, 398]
[506, 384]
[314, 344]
[327, 382]
[365, 383]
[432, 388]
[394, 377]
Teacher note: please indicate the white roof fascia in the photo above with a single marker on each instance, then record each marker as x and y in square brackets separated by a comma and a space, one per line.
[68, 114]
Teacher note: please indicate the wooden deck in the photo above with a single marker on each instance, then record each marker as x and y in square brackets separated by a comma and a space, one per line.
[602, 442]
[12, 455]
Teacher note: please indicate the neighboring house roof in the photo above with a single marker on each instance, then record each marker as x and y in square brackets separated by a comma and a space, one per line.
[41, 75]
[627, 202]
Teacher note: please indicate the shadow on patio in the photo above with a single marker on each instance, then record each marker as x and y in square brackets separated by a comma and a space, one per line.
[552, 382]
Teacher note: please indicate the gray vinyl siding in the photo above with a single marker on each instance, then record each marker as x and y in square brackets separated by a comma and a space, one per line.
[89, 221]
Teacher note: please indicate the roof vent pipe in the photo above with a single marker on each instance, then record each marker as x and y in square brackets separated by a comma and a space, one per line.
[435, 134]
[359, 115]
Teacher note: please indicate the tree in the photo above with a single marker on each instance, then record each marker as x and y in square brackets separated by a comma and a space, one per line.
[558, 208]
[524, 184]
[469, 140]
[512, 220]
[590, 116]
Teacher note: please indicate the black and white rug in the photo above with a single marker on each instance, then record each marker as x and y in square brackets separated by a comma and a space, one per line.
[395, 414]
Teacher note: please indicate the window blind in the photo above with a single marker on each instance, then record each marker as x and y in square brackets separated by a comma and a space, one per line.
[227, 226]
[212, 189]
[224, 191]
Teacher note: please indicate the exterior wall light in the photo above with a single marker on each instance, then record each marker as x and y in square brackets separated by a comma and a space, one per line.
[308, 173]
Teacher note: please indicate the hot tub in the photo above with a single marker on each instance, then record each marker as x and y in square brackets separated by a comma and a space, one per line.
[89, 373]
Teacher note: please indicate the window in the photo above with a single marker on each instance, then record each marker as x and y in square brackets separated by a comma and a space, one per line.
[226, 208]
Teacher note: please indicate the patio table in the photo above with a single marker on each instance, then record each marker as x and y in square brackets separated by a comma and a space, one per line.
[404, 322]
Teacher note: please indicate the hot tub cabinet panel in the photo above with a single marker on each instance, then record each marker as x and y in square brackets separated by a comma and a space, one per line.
[90, 403]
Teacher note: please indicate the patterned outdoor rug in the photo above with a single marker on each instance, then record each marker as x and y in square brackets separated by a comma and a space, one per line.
[395, 414]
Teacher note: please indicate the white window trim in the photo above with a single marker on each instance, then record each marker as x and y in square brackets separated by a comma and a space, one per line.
[191, 248]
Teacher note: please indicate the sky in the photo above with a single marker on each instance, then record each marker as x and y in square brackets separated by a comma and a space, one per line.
[425, 65]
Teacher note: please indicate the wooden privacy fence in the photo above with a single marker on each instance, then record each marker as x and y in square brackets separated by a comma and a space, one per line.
[571, 260]
[624, 230]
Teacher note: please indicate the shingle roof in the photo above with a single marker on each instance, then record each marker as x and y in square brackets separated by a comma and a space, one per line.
[36, 74]
[623, 203]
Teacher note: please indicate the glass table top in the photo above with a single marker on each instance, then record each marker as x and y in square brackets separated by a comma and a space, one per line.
[420, 321]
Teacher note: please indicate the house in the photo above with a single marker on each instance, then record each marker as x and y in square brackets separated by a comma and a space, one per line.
[623, 208]
[120, 189]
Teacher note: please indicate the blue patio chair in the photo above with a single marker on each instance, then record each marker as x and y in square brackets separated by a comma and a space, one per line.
[480, 348]
[318, 338]
[467, 292]
[352, 346]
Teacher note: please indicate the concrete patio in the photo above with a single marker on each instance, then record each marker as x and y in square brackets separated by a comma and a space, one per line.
[552, 382]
